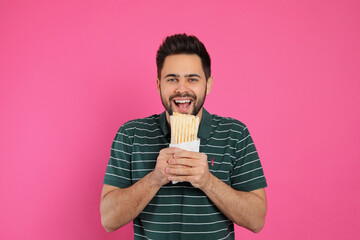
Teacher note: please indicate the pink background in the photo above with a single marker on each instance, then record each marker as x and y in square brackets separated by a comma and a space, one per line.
[72, 72]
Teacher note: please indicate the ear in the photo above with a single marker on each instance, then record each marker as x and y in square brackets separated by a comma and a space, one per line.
[209, 85]
[158, 84]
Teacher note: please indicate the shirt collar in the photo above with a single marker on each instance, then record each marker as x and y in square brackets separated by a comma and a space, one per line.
[205, 125]
[163, 124]
[204, 128]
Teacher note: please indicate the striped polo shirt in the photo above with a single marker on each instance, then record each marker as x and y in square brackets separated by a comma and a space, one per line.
[180, 211]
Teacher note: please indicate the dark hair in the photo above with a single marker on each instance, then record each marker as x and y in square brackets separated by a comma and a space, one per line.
[182, 43]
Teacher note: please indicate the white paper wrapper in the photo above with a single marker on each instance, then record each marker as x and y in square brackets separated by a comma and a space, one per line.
[188, 146]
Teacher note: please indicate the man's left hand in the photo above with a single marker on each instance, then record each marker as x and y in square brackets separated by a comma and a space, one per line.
[194, 168]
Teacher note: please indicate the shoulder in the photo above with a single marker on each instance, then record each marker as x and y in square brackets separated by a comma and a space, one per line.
[147, 123]
[228, 123]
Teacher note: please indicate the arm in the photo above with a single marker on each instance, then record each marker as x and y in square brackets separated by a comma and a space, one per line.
[246, 209]
[119, 206]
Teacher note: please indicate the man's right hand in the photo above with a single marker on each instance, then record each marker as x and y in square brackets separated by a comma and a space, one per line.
[159, 174]
[119, 206]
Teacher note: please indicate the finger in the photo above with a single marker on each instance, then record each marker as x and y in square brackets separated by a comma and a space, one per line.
[189, 154]
[173, 150]
[183, 161]
[170, 150]
[178, 166]
[180, 178]
[185, 171]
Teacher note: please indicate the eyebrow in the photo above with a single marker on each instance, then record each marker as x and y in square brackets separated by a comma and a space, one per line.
[192, 75]
[177, 75]
[172, 75]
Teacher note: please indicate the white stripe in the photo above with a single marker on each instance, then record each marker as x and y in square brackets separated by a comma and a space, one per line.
[247, 155]
[180, 205]
[222, 131]
[247, 163]
[231, 123]
[246, 172]
[185, 214]
[222, 147]
[222, 139]
[117, 150]
[185, 223]
[139, 170]
[222, 163]
[248, 180]
[244, 147]
[256, 160]
[118, 167]
[224, 180]
[190, 196]
[216, 119]
[243, 139]
[110, 174]
[124, 135]
[177, 186]
[141, 161]
[123, 143]
[222, 154]
[145, 152]
[216, 154]
[142, 236]
[143, 129]
[156, 144]
[166, 232]
[219, 171]
[229, 130]
[226, 235]
[154, 137]
[149, 124]
[120, 159]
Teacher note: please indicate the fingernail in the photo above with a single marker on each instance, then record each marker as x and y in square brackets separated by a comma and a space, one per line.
[170, 161]
[167, 170]
[170, 178]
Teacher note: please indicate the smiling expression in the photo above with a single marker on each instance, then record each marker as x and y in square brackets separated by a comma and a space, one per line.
[183, 86]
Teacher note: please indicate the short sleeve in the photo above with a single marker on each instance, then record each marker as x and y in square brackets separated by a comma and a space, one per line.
[118, 172]
[247, 173]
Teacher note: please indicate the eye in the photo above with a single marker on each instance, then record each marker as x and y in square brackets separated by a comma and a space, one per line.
[192, 79]
[171, 80]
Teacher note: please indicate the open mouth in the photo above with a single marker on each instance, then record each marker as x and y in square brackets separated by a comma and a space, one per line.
[182, 105]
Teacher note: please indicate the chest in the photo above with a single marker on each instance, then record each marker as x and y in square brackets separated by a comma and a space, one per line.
[220, 156]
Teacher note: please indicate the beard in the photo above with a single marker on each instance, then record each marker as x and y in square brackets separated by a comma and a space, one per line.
[197, 102]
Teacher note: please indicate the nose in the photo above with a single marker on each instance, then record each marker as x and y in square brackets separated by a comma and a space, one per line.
[181, 88]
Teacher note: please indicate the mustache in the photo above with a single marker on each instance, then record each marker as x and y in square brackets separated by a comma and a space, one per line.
[193, 97]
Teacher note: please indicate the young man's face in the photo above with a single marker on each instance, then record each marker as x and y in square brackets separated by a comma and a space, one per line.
[182, 84]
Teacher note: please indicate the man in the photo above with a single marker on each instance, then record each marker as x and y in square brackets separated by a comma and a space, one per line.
[222, 184]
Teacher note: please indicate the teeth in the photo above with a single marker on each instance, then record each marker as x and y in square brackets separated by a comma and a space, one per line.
[182, 101]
